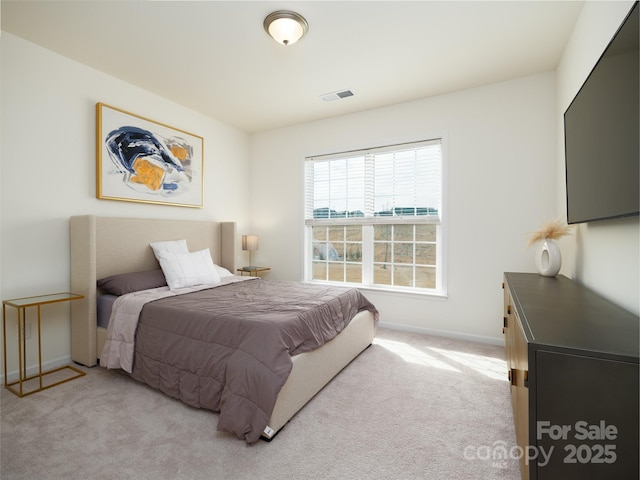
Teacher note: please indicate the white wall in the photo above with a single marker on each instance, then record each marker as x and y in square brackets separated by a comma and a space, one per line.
[504, 158]
[603, 255]
[48, 172]
[501, 161]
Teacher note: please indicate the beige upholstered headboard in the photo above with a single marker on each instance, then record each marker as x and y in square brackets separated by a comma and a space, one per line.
[104, 246]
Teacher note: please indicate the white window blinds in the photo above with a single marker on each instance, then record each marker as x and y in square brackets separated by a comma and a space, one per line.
[395, 184]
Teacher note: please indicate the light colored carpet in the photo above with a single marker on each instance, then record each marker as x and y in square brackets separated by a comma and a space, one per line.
[409, 407]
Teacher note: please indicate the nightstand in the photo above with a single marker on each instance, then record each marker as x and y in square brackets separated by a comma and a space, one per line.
[253, 271]
[21, 304]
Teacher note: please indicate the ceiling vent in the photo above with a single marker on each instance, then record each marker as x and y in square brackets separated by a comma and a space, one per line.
[330, 97]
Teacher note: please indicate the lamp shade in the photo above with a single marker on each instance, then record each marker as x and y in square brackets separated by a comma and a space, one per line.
[249, 242]
[285, 27]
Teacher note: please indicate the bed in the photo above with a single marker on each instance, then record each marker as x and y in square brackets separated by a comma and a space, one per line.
[106, 246]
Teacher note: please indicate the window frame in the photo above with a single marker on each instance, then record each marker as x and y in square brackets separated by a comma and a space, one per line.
[368, 242]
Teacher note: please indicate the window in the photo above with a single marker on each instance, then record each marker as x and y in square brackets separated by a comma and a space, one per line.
[374, 217]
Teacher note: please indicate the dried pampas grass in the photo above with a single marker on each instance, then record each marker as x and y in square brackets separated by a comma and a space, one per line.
[553, 229]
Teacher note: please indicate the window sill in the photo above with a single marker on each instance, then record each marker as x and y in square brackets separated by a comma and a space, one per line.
[389, 291]
[405, 293]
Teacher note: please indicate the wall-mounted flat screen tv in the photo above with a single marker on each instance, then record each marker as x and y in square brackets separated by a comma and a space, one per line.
[601, 133]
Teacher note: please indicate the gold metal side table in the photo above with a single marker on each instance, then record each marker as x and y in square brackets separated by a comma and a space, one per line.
[253, 271]
[21, 304]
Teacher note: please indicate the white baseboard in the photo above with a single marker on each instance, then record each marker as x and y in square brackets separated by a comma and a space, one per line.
[33, 369]
[444, 333]
[65, 360]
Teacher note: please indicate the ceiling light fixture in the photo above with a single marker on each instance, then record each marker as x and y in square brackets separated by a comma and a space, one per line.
[285, 27]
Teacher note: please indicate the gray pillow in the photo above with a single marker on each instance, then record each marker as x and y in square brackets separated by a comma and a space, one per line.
[132, 282]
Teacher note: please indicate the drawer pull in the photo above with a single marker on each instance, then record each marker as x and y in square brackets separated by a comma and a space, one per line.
[511, 375]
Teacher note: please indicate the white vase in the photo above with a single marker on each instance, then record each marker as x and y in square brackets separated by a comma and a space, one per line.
[548, 259]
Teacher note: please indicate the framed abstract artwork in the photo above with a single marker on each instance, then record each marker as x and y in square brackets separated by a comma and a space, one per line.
[140, 160]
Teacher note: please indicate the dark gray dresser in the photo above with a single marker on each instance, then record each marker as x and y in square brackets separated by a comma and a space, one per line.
[573, 367]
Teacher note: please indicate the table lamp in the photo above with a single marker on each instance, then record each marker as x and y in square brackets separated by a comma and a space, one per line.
[250, 243]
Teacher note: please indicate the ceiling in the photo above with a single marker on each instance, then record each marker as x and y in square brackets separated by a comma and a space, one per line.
[214, 56]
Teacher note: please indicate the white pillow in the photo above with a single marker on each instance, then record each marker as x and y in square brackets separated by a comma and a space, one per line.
[223, 272]
[173, 246]
[188, 269]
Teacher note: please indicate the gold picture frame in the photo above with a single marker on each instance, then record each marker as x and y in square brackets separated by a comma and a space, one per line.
[141, 160]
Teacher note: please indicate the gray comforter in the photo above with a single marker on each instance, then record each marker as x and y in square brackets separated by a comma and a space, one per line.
[228, 349]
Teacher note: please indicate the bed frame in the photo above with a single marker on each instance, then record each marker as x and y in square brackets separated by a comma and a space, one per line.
[104, 246]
